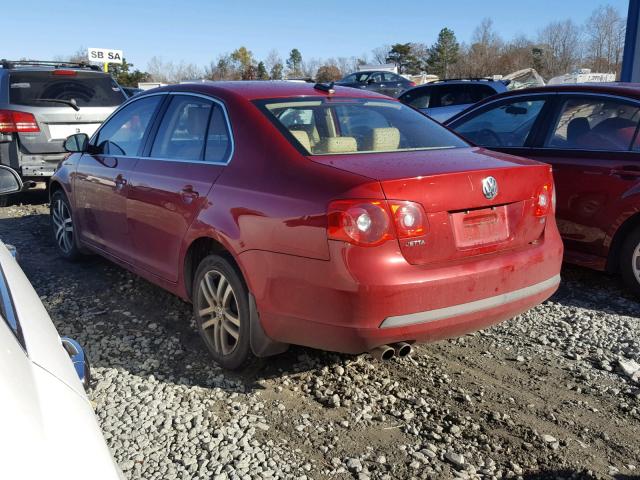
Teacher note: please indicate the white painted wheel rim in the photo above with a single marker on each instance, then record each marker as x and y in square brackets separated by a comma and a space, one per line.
[62, 226]
[219, 313]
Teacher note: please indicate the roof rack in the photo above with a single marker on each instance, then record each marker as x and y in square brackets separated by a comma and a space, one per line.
[7, 64]
[473, 79]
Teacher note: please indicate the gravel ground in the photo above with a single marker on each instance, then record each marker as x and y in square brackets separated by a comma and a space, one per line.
[553, 393]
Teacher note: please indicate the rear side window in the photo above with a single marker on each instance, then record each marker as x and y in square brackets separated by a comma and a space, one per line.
[87, 89]
[193, 129]
[594, 124]
[123, 133]
[507, 125]
[327, 126]
[181, 135]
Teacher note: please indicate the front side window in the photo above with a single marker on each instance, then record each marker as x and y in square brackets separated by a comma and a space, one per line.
[594, 124]
[123, 133]
[344, 125]
[507, 125]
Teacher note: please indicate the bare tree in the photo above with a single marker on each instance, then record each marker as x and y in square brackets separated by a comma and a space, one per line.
[561, 46]
[273, 59]
[380, 54]
[605, 30]
[480, 59]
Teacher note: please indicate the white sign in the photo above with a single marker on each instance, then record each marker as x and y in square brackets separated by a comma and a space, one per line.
[104, 55]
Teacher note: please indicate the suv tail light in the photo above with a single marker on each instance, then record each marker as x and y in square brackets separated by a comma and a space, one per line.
[67, 73]
[544, 200]
[17, 122]
[373, 222]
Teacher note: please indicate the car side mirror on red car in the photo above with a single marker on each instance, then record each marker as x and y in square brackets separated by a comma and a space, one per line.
[76, 143]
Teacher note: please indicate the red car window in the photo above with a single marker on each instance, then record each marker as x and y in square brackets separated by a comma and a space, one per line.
[595, 124]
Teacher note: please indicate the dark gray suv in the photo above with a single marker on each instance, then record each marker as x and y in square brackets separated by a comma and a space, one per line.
[42, 103]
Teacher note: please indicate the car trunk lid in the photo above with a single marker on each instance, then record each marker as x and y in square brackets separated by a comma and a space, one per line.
[463, 220]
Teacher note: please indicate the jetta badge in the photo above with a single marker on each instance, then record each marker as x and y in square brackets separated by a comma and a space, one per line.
[490, 187]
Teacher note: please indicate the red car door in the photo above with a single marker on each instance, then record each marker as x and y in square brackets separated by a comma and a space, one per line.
[170, 184]
[101, 185]
[589, 144]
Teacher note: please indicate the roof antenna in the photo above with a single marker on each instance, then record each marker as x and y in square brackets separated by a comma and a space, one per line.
[324, 87]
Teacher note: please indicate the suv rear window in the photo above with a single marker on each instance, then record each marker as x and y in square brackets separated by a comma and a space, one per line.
[352, 125]
[88, 89]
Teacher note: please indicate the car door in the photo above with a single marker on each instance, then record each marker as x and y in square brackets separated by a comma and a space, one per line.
[189, 148]
[591, 144]
[101, 183]
[394, 84]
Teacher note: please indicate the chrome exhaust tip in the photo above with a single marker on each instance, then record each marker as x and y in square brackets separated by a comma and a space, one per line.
[402, 349]
[383, 353]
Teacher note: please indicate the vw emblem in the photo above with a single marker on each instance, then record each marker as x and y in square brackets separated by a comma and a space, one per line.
[490, 187]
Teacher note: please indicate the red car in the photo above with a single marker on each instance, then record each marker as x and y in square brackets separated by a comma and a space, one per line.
[589, 134]
[296, 214]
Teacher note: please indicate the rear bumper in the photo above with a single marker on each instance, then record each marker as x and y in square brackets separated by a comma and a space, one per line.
[366, 297]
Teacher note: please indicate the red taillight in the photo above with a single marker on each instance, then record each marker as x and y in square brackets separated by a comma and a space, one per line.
[409, 218]
[67, 73]
[412, 84]
[543, 201]
[371, 222]
[17, 122]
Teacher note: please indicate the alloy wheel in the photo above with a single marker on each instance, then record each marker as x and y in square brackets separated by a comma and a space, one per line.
[62, 225]
[219, 313]
[635, 262]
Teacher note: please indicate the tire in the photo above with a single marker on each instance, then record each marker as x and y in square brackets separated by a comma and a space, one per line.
[630, 261]
[62, 228]
[6, 200]
[221, 310]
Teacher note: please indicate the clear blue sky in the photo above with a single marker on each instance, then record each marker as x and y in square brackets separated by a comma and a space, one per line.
[196, 31]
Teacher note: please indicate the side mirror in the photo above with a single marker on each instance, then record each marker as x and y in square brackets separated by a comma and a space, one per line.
[79, 360]
[76, 143]
[513, 110]
[10, 181]
[371, 80]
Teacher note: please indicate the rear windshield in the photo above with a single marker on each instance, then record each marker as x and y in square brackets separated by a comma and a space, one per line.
[86, 88]
[343, 125]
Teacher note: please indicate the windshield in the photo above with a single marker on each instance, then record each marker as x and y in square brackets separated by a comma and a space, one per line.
[350, 125]
[87, 89]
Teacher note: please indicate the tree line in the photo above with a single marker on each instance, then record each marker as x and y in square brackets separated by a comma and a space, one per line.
[558, 48]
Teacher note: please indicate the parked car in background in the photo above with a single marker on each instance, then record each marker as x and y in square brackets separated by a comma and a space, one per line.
[41, 104]
[387, 83]
[443, 99]
[299, 214]
[131, 91]
[48, 425]
[589, 134]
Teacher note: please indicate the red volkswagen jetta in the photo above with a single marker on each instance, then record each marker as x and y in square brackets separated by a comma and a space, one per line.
[296, 214]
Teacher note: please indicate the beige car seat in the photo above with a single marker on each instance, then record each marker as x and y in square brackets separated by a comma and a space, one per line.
[383, 139]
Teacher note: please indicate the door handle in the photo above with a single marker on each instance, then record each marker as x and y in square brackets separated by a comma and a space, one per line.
[120, 182]
[188, 194]
[626, 171]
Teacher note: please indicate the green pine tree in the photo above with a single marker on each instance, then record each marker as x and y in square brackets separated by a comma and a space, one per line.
[443, 54]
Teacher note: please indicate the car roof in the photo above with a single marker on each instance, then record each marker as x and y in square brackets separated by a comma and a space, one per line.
[261, 89]
[631, 90]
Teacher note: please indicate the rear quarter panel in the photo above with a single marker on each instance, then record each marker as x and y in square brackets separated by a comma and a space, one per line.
[270, 197]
